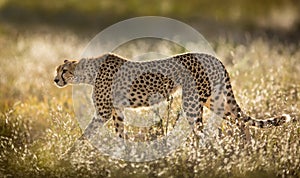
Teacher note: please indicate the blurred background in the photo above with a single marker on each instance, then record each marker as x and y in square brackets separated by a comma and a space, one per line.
[258, 42]
[279, 19]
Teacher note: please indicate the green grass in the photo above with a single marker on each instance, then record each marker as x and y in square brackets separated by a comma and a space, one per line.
[38, 124]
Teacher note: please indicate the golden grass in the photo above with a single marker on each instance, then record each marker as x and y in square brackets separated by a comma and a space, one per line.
[37, 122]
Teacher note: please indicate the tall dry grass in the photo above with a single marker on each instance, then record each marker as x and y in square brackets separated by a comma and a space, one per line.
[38, 124]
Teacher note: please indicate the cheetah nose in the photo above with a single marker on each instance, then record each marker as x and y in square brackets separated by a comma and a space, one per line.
[56, 80]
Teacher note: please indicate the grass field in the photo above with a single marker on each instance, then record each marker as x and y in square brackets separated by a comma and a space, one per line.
[37, 121]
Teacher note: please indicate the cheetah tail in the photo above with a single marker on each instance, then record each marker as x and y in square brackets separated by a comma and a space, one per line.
[274, 121]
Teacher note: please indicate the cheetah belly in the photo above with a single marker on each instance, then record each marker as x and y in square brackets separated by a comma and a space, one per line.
[149, 89]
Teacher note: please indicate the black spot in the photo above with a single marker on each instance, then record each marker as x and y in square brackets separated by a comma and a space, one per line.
[192, 115]
[203, 100]
[198, 120]
[207, 94]
[185, 104]
[120, 118]
[196, 97]
[220, 109]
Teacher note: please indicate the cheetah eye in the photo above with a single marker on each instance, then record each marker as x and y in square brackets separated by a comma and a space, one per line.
[65, 70]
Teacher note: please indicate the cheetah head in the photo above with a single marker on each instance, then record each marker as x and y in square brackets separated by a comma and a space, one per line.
[65, 73]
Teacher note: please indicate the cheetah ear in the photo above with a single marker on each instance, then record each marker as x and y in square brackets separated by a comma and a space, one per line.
[65, 61]
[74, 62]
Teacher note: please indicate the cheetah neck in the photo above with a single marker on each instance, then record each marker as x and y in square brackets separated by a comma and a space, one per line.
[87, 70]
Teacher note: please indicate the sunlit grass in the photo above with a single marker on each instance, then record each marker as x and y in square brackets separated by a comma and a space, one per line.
[38, 125]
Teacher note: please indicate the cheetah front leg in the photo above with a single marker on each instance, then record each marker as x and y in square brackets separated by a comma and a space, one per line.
[92, 127]
[101, 116]
[119, 126]
[103, 109]
[118, 119]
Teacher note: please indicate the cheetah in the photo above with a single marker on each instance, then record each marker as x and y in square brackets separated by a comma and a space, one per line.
[119, 83]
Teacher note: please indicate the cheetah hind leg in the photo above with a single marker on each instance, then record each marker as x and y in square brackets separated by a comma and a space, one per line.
[233, 110]
[215, 104]
[193, 112]
[222, 104]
